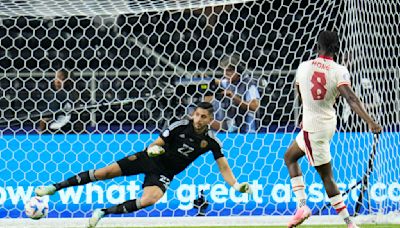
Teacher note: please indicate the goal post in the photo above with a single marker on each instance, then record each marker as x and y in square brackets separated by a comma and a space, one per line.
[134, 67]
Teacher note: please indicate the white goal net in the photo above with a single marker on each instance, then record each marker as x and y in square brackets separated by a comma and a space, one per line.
[134, 67]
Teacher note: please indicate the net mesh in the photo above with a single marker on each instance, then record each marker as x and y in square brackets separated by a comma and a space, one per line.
[135, 67]
[61, 8]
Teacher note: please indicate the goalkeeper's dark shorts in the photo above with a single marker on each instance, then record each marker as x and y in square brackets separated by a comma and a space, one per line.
[141, 163]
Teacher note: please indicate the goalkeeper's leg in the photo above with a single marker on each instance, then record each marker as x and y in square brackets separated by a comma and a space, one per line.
[151, 195]
[82, 178]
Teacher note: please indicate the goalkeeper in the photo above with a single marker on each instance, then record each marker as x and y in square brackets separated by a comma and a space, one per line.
[174, 150]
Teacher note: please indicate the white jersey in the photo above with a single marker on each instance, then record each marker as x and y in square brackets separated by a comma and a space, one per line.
[318, 80]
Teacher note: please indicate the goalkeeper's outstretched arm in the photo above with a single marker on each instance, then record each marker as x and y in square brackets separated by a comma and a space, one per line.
[156, 148]
[229, 178]
[159, 142]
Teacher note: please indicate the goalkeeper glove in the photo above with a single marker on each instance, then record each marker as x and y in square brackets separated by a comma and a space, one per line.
[243, 187]
[155, 150]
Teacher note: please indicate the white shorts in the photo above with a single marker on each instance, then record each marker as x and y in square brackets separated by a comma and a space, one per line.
[316, 146]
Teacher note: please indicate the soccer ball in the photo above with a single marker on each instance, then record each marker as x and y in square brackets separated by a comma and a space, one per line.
[36, 208]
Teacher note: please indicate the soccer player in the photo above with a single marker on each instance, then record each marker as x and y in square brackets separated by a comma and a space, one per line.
[174, 150]
[319, 82]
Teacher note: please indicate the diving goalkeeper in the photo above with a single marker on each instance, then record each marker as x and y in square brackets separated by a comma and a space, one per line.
[174, 150]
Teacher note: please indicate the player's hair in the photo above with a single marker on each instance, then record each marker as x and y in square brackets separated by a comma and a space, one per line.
[328, 41]
[206, 105]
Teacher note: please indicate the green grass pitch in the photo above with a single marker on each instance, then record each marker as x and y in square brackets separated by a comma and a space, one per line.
[304, 226]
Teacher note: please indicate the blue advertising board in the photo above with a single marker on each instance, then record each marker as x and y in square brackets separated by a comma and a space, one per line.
[27, 161]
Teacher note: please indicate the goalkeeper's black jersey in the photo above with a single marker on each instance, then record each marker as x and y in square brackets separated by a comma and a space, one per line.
[183, 146]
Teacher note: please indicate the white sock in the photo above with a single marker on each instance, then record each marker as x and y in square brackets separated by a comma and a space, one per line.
[299, 190]
[341, 209]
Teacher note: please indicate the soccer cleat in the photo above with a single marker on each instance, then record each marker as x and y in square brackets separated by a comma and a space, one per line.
[301, 214]
[352, 225]
[45, 190]
[97, 215]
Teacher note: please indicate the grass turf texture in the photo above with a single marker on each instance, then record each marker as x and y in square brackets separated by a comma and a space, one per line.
[303, 226]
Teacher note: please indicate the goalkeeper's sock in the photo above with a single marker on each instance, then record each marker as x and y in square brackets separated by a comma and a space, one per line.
[79, 179]
[125, 207]
[341, 209]
[299, 190]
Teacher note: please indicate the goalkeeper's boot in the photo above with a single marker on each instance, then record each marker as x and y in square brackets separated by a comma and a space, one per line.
[352, 225]
[97, 215]
[45, 190]
[302, 214]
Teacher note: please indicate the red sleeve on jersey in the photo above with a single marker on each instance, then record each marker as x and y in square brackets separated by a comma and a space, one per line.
[343, 83]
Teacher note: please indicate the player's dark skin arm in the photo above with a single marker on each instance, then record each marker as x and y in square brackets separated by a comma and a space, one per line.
[358, 107]
[298, 91]
[297, 87]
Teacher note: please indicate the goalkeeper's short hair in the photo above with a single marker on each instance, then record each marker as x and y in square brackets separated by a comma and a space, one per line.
[206, 105]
